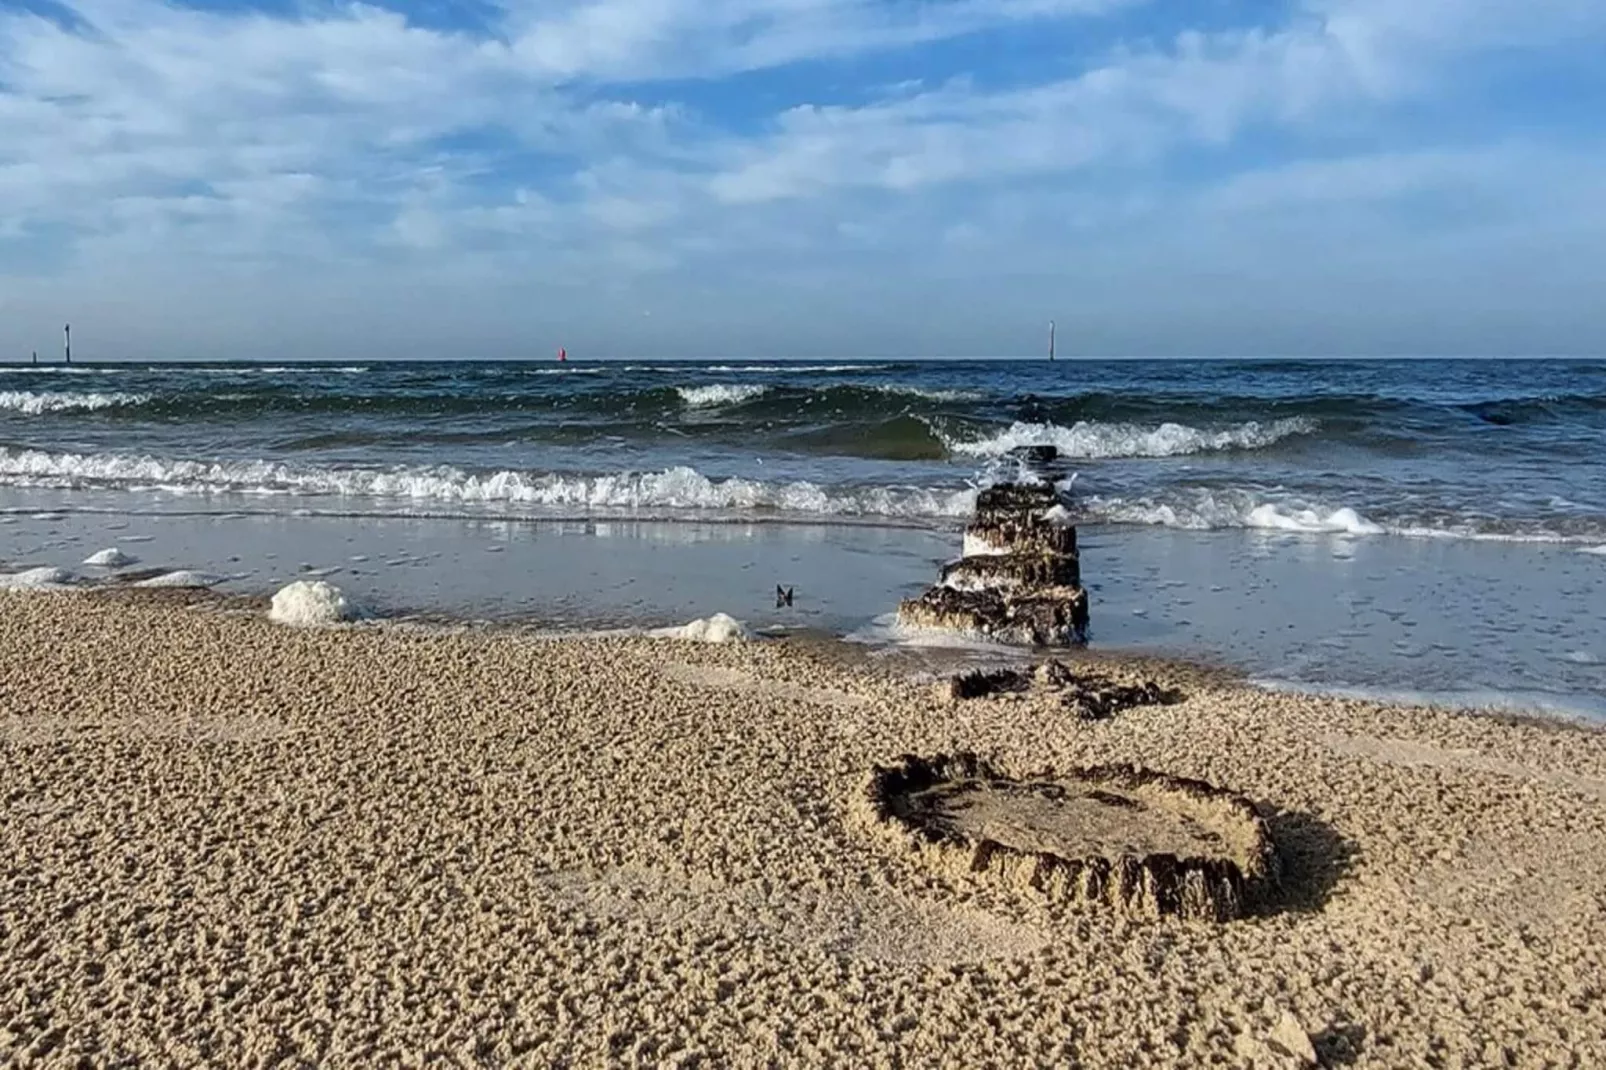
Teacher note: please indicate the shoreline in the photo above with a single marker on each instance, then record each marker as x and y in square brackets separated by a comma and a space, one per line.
[875, 644]
[942, 654]
[1373, 617]
[233, 841]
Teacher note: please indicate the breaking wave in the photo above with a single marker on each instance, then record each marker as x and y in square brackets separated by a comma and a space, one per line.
[1198, 509]
[702, 397]
[1205, 510]
[683, 488]
[680, 487]
[34, 403]
[1097, 441]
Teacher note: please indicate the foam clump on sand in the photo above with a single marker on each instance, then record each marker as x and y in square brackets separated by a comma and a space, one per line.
[110, 557]
[182, 578]
[309, 603]
[720, 628]
[38, 579]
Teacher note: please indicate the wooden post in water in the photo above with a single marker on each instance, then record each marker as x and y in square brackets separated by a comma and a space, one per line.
[1050, 339]
[68, 331]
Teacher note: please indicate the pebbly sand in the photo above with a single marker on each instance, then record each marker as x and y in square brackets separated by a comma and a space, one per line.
[228, 842]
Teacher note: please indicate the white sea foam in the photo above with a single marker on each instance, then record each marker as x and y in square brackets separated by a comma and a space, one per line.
[111, 557]
[674, 488]
[976, 546]
[929, 395]
[183, 578]
[309, 603]
[38, 579]
[1339, 521]
[1201, 510]
[1205, 510]
[35, 403]
[703, 397]
[1096, 441]
[720, 628]
[886, 630]
[1486, 699]
[1059, 516]
[1599, 550]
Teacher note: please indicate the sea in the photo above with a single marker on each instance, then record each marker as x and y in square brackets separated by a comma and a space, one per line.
[1428, 530]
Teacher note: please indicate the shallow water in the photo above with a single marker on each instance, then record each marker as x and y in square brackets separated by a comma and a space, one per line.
[1469, 623]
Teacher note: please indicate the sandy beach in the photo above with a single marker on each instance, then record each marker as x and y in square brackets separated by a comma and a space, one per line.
[228, 842]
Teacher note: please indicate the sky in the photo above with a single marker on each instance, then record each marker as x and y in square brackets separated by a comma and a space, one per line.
[470, 178]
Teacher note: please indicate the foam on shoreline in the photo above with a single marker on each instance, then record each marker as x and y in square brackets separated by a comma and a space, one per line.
[39, 579]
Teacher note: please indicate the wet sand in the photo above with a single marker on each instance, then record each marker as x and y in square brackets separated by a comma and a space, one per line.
[231, 843]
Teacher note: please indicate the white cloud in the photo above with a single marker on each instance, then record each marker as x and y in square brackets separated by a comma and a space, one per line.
[639, 40]
[348, 147]
[1358, 179]
[1202, 89]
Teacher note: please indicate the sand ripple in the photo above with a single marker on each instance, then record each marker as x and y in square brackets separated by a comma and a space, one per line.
[228, 843]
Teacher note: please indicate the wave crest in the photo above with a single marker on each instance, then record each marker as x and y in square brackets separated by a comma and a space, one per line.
[716, 394]
[1100, 441]
[33, 403]
[680, 487]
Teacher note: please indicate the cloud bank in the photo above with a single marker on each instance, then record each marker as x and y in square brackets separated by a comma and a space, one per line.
[775, 177]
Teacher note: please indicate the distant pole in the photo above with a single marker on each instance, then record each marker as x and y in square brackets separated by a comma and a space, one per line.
[36, 356]
[68, 331]
[1050, 339]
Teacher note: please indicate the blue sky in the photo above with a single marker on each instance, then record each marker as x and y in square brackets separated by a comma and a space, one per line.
[802, 177]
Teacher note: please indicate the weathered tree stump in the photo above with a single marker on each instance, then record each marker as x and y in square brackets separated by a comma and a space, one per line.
[1049, 616]
[1019, 579]
[1010, 571]
[1119, 838]
[986, 538]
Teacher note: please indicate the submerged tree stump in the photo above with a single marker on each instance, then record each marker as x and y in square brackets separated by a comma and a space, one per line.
[1050, 616]
[1012, 570]
[1140, 843]
[1019, 579]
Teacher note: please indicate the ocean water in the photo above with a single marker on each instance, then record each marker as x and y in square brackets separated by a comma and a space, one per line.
[1296, 511]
